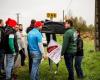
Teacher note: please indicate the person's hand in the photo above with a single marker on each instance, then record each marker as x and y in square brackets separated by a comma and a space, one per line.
[62, 57]
[45, 57]
[42, 60]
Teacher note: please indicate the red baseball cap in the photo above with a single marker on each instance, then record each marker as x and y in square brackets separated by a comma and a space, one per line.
[38, 24]
[11, 22]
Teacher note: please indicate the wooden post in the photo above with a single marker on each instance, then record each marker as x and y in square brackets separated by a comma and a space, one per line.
[97, 25]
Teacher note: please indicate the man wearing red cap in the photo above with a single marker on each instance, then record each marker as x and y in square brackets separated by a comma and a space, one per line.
[36, 49]
[11, 46]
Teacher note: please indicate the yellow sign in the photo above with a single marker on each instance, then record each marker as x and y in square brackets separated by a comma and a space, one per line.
[51, 15]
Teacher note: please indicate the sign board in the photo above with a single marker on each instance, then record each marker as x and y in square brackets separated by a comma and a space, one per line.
[51, 15]
[54, 51]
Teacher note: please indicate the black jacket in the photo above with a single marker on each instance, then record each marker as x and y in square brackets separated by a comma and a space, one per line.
[8, 31]
[79, 47]
[1, 37]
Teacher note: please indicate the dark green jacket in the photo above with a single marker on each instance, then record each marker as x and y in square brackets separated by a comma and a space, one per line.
[69, 42]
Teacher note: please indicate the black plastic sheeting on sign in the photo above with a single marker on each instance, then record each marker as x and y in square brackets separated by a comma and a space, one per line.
[53, 27]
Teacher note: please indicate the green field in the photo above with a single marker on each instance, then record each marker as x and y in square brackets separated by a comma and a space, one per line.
[90, 65]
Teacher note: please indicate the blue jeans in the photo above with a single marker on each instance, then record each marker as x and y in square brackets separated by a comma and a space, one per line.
[78, 61]
[69, 64]
[9, 65]
[36, 60]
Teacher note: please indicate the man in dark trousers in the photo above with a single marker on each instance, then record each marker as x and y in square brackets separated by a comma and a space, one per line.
[27, 31]
[79, 56]
[22, 51]
[20, 41]
[69, 47]
[1, 48]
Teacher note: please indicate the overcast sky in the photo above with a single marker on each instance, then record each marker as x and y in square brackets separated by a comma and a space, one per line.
[37, 9]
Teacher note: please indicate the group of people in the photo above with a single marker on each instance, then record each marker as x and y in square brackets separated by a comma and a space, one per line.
[12, 44]
[72, 49]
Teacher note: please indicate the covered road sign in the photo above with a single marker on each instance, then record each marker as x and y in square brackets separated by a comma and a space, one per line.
[51, 15]
[53, 27]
